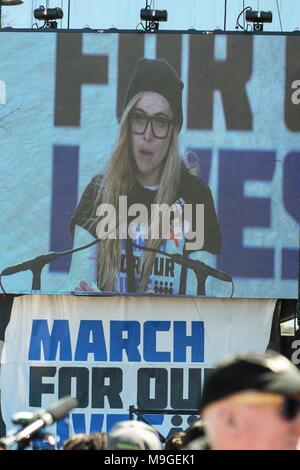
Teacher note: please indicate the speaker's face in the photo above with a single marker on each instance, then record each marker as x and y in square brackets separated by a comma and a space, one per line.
[151, 134]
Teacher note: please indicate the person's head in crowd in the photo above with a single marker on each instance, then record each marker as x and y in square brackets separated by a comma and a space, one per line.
[194, 431]
[175, 441]
[133, 435]
[93, 441]
[45, 441]
[252, 401]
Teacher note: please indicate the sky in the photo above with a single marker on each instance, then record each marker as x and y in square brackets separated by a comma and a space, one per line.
[182, 14]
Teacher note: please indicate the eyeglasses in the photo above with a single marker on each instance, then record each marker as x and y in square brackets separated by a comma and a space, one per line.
[160, 124]
[289, 406]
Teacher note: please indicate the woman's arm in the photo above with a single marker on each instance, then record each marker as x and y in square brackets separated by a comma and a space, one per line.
[83, 272]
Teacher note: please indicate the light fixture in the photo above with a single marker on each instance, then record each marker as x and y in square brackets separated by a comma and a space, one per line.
[152, 17]
[10, 2]
[49, 16]
[7, 3]
[258, 18]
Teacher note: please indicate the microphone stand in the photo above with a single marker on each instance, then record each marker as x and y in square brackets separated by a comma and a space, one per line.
[201, 277]
[37, 264]
[201, 280]
[200, 270]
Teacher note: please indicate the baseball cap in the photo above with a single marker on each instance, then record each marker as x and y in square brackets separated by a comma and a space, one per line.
[133, 435]
[267, 372]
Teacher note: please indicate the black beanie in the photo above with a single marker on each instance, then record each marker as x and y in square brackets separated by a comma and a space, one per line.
[157, 75]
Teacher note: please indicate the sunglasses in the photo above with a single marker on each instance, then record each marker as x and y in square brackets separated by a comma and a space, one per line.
[289, 406]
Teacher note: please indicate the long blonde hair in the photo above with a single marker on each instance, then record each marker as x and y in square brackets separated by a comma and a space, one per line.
[119, 179]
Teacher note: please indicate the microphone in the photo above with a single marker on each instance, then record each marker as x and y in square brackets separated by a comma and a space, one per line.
[30, 264]
[197, 266]
[38, 421]
[36, 264]
[200, 267]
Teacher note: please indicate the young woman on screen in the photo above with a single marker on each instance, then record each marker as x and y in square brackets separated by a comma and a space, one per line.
[145, 168]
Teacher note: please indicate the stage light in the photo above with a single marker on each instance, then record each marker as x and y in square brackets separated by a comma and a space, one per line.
[7, 3]
[258, 18]
[48, 15]
[153, 17]
[11, 2]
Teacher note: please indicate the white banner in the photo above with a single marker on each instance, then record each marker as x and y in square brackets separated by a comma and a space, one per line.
[114, 352]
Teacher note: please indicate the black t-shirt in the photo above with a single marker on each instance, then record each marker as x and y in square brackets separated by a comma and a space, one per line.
[165, 278]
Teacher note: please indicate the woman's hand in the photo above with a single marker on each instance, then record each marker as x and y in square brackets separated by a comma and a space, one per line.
[84, 287]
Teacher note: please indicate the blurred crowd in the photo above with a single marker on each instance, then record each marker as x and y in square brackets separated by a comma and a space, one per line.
[250, 402]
